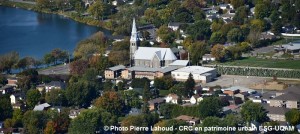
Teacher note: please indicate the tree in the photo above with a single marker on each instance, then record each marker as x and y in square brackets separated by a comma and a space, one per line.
[197, 50]
[85, 49]
[179, 89]
[34, 121]
[81, 93]
[48, 58]
[293, 116]
[8, 60]
[251, 111]
[189, 85]
[258, 25]
[88, 122]
[131, 98]
[218, 51]
[32, 98]
[98, 9]
[277, 28]
[58, 120]
[99, 62]
[171, 123]
[78, 67]
[146, 92]
[200, 30]
[56, 97]
[5, 108]
[210, 106]
[151, 15]
[163, 83]
[111, 102]
[50, 128]
[234, 52]
[133, 121]
[241, 13]
[17, 118]
[165, 34]
[217, 37]
[235, 35]
[139, 82]
[261, 11]
[237, 3]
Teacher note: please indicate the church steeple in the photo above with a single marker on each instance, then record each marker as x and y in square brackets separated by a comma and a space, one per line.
[134, 42]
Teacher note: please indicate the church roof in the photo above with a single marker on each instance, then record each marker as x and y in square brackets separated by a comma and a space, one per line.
[147, 53]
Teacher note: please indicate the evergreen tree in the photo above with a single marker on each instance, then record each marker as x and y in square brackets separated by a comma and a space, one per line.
[189, 85]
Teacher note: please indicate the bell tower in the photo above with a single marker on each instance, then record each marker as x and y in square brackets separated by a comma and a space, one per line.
[134, 42]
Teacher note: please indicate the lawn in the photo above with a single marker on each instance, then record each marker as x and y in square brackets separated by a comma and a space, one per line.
[270, 63]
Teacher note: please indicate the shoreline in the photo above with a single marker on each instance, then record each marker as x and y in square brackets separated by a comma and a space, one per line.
[31, 7]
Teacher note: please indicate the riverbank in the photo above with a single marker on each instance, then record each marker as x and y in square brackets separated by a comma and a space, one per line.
[69, 14]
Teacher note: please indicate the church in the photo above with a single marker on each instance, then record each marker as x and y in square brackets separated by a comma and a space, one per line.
[153, 57]
[149, 62]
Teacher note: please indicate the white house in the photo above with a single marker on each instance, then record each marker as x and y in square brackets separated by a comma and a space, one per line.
[172, 98]
[195, 99]
[200, 74]
[14, 98]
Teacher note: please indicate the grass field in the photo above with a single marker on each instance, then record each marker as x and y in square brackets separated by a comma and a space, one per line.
[268, 63]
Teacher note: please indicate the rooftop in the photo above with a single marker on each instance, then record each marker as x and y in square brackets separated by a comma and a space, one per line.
[118, 67]
[195, 69]
[179, 63]
[274, 110]
[149, 69]
[41, 107]
[157, 100]
[147, 53]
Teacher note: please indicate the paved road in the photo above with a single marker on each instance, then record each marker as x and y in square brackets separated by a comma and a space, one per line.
[60, 69]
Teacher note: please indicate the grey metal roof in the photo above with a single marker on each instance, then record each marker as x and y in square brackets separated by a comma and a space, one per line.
[147, 53]
[179, 63]
[56, 84]
[118, 67]
[41, 107]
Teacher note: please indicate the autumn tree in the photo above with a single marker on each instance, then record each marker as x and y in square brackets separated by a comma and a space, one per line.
[237, 3]
[217, 37]
[165, 34]
[98, 9]
[34, 121]
[111, 102]
[8, 60]
[78, 67]
[50, 128]
[218, 51]
[151, 15]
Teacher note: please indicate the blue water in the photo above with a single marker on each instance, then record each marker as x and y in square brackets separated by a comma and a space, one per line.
[34, 34]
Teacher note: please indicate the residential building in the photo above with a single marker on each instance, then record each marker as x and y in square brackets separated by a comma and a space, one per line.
[74, 113]
[6, 89]
[288, 100]
[242, 95]
[275, 113]
[12, 82]
[54, 85]
[200, 74]
[41, 107]
[172, 98]
[114, 72]
[155, 103]
[195, 99]
[292, 48]
[189, 119]
[14, 98]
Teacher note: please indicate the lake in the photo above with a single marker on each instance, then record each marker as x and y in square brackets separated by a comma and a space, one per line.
[34, 34]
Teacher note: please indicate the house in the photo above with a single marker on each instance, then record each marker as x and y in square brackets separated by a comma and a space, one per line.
[172, 98]
[225, 6]
[288, 100]
[227, 16]
[242, 95]
[200, 74]
[114, 72]
[292, 48]
[12, 82]
[41, 107]
[6, 89]
[74, 113]
[14, 98]
[155, 103]
[189, 119]
[275, 113]
[174, 25]
[195, 99]
[54, 85]
[208, 58]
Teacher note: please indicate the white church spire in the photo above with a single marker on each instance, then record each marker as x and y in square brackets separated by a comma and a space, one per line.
[134, 34]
